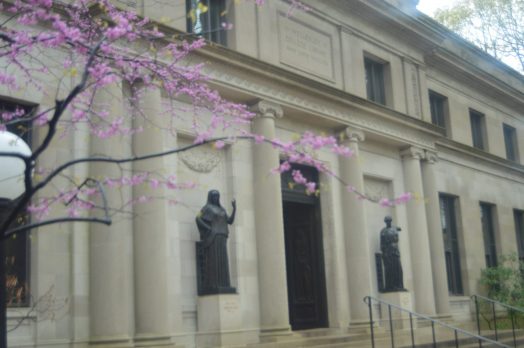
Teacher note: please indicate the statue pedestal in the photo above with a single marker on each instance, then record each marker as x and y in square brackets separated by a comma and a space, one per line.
[399, 318]
[219, 321]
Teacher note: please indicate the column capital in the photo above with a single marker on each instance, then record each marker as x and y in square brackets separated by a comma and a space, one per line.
[412, 152]
[351, 134]
[267, 109]
[431, 156]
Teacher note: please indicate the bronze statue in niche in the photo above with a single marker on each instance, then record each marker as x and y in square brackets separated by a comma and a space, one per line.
[391, 257]
[212, 258]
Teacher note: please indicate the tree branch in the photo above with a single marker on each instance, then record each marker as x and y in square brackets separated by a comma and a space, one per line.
[61, 105]
[54, 221]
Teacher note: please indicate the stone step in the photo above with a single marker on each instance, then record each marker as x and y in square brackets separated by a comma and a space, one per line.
[330, 338]
[447, 339]
[323, 337]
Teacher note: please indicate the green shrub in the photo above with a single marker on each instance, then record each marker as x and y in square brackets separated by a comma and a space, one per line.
[505, 282]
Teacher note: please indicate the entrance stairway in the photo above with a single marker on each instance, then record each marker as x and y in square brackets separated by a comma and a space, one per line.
[400, 328]
[328, 338]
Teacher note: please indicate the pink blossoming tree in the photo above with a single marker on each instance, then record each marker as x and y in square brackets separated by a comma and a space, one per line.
[86, 47]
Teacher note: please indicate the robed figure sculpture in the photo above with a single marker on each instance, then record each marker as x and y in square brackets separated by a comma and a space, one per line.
[212, 258]
[391, 257]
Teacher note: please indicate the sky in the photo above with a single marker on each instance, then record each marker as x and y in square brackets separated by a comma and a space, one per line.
[429, 6]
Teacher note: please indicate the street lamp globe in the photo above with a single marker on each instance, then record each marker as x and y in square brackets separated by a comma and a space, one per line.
[12, 168]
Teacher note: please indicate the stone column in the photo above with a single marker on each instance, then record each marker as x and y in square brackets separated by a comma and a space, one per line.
[436, 242]
[110, 247]
[418, 233]
[355, 225]
[274, 311]
[149, 229]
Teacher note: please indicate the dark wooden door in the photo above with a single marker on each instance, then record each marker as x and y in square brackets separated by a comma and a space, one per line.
[305, 265]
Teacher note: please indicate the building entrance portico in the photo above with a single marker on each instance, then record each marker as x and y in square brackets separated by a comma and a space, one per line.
[304, 255]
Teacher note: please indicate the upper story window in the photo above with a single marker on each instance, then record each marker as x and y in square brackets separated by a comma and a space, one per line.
[519, 229]
[375, 83]
[438, 105]
[448, 219]
[488, 232]
[510, 139]
[205, 18]
[478, 129]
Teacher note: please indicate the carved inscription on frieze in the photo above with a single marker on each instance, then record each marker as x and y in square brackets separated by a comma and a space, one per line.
[129, 3]
[305, 48]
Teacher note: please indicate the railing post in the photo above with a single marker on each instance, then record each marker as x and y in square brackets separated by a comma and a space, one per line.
[456, 339]
[512, 314]
[371, 320]
[495, 320]
[510, 310]
[411, 327]
[391, 327]
[433, 334]
[478, 317]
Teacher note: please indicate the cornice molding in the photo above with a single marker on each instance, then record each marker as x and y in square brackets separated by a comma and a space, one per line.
[472, 75]
[429, 36]
[480, 157]
[235, 71]
[324, 108]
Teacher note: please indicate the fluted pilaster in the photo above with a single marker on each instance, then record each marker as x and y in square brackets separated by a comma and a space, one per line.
[149, 228]
[110, 247]
[418, 232]
[274, 311]
[436, 242]
[355, 225]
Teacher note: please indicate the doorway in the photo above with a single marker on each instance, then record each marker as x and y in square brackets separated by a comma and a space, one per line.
[304, 255]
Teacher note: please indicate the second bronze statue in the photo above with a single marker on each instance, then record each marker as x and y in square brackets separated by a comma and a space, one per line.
[212, 257]
[391, 257]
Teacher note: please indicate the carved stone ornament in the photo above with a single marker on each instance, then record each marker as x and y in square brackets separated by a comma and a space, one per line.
[353, 134]
[130, 3]
[431, 157]
[415, 86]
[202, 159]
[413, 152]
[265, 108]
[376, 189]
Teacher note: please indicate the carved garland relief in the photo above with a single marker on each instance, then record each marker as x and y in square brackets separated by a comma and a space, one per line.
[201, 159]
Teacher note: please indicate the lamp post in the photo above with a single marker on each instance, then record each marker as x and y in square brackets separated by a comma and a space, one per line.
[11, 187]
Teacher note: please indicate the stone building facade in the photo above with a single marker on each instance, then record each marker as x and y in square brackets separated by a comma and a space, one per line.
[425, 111]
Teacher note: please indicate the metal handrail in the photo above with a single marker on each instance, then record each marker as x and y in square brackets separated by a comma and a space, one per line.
[493, 304]
[518, 309]
[369, 299]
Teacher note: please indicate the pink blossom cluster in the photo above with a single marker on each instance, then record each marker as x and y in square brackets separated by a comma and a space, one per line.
[304, 151]
[402, 199]
[79, 200]
[76, 200]
[95, 46]
[110, 46]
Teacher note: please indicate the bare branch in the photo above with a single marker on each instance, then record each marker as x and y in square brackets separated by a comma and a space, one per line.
[103, 221]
